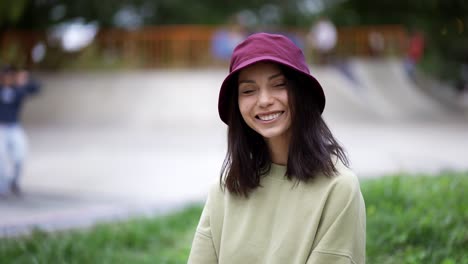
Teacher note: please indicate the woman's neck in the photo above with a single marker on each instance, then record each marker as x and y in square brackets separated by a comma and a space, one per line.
[279, 149]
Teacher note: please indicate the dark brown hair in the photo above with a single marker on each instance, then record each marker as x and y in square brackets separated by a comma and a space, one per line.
[312, 148]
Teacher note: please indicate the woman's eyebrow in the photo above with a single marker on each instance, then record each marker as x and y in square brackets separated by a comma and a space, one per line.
[275, 75]
[269, 78]
[246, 81]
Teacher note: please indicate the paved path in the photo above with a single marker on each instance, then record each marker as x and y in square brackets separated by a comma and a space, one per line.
[110, 145]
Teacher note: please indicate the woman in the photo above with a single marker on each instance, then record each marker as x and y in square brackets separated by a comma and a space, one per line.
[286, 194]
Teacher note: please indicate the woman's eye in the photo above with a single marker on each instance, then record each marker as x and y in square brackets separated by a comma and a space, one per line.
[281, 84]
[246, 90]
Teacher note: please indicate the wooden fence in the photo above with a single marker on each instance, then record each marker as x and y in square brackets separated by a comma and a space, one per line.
[188, 46]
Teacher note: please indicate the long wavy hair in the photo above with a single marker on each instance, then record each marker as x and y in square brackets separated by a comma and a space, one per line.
[312, 149]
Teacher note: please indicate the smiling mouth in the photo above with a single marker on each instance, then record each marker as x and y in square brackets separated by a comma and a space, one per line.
[269, 117]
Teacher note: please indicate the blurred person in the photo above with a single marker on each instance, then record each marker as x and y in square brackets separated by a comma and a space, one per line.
[461, 86]
[322, 38]
[15, 86]
[415, 52]
[376, 44]
[286, 194]
[225, 39]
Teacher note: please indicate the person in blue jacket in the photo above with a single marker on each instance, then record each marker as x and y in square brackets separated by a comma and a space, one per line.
[15, 86]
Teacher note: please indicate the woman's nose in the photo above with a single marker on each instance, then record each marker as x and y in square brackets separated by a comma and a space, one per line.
[265, 98]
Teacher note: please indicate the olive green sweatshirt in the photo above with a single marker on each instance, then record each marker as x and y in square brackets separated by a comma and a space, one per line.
[322, 221]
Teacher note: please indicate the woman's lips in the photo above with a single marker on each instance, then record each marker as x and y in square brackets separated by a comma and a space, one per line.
[269, 116]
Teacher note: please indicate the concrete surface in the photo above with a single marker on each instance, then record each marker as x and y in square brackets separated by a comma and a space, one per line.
[112, 145]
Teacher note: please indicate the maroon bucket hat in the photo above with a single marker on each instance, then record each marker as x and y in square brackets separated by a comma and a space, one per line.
[266, 47]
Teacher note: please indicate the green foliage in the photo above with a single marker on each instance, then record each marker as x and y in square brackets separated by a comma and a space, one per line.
[444, 22]
[12, 11]
[410, 219]
[164, 240]
[36, 14]
[417, 219]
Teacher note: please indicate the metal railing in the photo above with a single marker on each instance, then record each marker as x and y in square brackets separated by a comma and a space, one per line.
[188, 45]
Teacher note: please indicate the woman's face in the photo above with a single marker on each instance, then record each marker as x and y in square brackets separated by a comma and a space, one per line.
[263, 100]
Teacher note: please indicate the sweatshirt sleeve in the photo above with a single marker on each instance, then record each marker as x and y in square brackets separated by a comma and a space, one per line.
[33, 87]
[341, 236]
[203, 250]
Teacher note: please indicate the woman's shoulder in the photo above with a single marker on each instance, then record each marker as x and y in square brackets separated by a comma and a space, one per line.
[344, 175]
[344, 182]
[344, 187]
[216, 189]
[217, 193]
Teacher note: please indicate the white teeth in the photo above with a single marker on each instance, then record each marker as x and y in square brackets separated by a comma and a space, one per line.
[269, 117]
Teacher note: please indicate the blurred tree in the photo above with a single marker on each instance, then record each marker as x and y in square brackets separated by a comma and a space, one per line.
[12, 12]
[40, 14]
[445, 22]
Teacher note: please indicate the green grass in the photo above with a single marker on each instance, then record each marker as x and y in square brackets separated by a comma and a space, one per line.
[410, 219]
[417, 219]
[145, 240]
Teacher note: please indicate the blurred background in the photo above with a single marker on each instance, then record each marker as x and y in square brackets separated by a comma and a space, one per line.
[126, 119]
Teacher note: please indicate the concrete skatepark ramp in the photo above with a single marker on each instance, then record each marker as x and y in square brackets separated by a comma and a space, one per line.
[382, 92]
[390, 92]
[154, 138]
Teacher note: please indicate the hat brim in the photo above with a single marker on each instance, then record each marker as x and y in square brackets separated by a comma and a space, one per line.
[229, 82]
